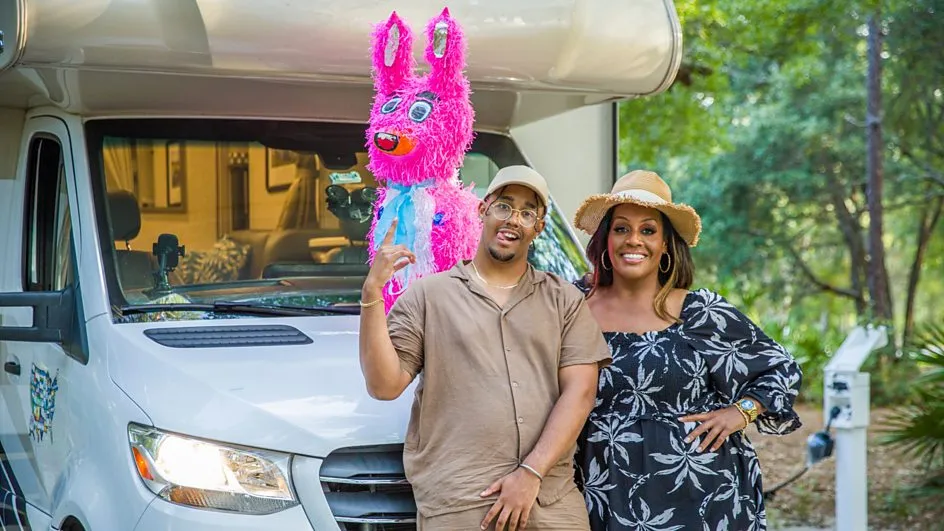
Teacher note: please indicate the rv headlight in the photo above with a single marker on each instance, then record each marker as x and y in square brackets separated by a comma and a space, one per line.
[206, 475]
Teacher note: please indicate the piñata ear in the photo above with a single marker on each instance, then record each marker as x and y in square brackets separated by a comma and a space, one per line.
[392, 55]
[445, 53]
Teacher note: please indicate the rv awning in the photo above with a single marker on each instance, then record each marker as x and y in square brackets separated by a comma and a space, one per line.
[625, 48]
[597, 49]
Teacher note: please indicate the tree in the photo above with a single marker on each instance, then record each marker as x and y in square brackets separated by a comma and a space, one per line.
[773, 137]
[915, 121]
[879, 288]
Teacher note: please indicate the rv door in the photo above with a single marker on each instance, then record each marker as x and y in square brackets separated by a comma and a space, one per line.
[39, 332]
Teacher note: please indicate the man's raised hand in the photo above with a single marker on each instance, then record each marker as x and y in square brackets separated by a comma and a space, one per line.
[388, 260]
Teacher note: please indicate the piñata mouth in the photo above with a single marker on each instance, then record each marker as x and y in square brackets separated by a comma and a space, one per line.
[393, 144]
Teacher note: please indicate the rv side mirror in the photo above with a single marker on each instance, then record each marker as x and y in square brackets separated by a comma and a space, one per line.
[53, 316]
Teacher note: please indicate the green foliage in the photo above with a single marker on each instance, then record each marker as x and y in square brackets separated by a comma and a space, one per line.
[892, 378]
[917, 428]
[916, 103]
[764, 134]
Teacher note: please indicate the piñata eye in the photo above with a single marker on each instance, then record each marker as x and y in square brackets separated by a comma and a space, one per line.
[391, 105]
[420, 110]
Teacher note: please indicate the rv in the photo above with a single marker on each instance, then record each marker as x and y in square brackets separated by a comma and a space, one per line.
[183, 196]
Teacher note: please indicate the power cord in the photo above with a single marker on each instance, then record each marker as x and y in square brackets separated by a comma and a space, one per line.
[819, 446]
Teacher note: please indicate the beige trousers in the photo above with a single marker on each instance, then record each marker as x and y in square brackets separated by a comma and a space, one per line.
[567, 514]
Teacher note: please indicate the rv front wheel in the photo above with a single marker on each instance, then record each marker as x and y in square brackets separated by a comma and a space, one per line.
[71, 524]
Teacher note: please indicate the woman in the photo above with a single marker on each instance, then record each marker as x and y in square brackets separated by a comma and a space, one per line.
[664, 448]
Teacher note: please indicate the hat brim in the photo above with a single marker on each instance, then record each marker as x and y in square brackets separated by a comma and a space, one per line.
[684, 219]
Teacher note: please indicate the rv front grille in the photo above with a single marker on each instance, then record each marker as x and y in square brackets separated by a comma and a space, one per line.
[367, 490]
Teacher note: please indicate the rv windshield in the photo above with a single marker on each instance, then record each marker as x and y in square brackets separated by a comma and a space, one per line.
[217, 218]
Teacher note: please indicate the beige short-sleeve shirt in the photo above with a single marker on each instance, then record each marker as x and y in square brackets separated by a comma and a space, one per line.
[488, 380]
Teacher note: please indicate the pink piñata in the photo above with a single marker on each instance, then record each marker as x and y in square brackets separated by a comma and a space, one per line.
[420, 129]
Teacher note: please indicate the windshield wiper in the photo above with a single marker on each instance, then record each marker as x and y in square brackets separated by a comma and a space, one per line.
[280, 309]
[248, 308]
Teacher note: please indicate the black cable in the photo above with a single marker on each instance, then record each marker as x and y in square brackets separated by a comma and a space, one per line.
[833, 413]
[769, 494]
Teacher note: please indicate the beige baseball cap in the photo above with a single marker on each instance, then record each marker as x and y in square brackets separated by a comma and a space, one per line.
[523, 176]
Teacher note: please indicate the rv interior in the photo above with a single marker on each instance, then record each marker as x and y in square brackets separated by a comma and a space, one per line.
[206, 213]
[235, 207]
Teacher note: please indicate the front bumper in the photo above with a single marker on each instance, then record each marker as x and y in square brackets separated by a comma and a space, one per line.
[163, 516]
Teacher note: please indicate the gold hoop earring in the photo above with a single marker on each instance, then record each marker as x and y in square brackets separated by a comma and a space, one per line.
[668, 267]
[603, 261]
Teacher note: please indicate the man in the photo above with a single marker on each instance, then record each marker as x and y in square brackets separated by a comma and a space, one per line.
[508, 359]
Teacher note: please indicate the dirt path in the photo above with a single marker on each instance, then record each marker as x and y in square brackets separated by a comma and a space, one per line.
[811, 499]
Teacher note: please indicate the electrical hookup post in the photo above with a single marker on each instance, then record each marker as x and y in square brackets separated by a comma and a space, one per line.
[846, 408]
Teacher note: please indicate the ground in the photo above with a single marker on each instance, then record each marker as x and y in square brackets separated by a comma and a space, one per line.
[810, 501]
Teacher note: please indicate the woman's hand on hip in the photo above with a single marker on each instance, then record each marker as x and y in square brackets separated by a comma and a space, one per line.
[716, 425]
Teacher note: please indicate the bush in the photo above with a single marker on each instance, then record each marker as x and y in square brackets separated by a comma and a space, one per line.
[917, 428]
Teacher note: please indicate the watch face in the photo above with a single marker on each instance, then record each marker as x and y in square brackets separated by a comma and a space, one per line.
[747, 403]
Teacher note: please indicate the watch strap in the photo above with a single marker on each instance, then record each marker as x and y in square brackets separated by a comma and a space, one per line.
[751, 414]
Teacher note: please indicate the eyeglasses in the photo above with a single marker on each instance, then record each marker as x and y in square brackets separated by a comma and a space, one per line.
[504, 211]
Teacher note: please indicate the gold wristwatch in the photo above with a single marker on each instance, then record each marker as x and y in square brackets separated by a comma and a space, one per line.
[747, 406]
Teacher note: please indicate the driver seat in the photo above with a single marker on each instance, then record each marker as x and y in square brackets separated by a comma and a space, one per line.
[135, 268]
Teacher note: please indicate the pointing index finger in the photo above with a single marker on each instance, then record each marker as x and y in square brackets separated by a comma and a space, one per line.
[388, 239]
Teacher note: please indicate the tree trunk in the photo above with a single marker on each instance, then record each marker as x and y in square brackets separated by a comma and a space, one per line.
[930, 215]
[879, 289]
[851, 231]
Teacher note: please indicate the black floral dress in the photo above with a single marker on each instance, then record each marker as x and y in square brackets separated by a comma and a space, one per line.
[635, 469]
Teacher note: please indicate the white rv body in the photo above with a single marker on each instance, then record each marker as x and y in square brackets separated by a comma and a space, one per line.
[89, 87]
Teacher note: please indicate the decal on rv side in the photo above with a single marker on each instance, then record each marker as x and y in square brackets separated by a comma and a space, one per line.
[43, 390]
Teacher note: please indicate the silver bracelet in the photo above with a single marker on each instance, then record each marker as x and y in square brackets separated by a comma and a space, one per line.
[532, 470]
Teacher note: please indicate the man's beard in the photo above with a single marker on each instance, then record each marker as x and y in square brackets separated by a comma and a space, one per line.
[498, 256]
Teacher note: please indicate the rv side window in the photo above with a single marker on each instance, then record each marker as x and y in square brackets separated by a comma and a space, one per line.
[48, 264]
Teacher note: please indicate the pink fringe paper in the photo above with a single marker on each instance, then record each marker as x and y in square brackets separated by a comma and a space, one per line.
[439, 142]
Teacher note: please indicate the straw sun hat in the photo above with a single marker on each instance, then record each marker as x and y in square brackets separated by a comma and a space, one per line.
[645, 188]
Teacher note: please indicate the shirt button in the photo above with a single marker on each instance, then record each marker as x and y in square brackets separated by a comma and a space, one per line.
[520, 420]
[514, 384]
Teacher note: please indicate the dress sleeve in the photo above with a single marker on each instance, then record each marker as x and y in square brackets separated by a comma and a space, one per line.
[743, 361]
[583, 284]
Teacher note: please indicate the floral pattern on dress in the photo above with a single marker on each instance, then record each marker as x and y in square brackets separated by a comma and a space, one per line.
[633, 465]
